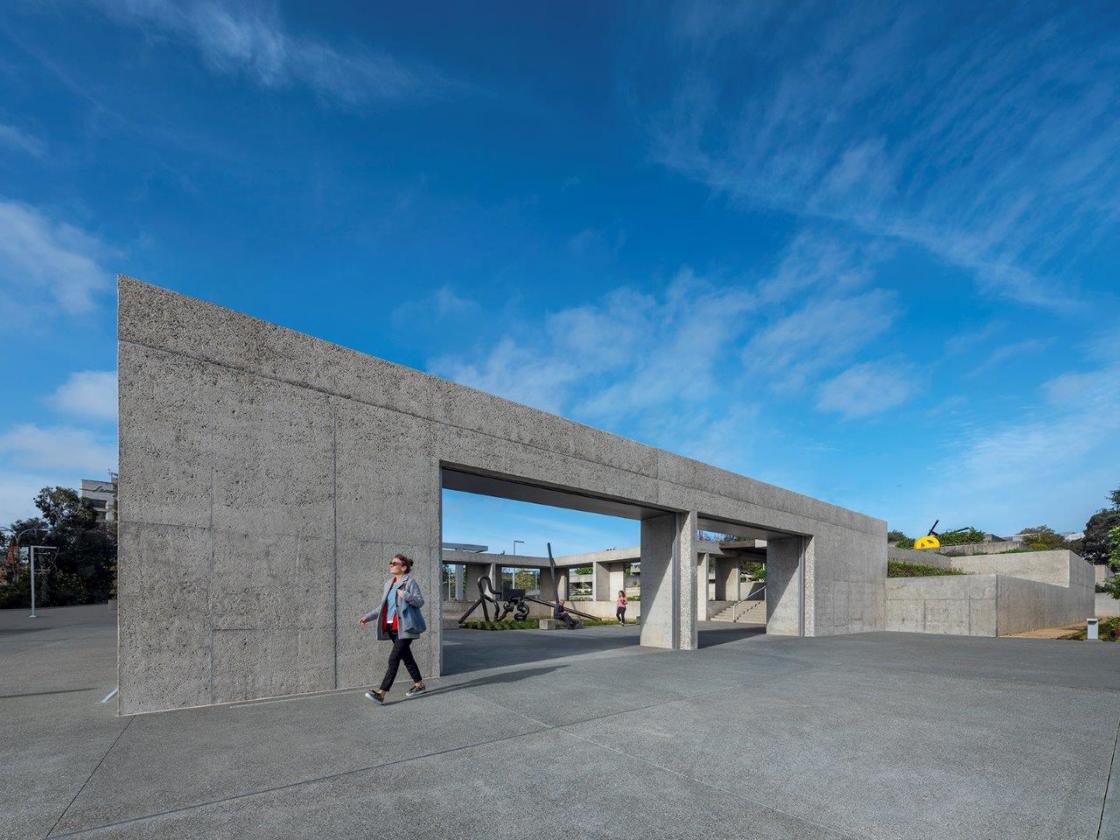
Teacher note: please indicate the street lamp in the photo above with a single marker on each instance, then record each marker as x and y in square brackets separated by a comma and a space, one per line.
[31, 552]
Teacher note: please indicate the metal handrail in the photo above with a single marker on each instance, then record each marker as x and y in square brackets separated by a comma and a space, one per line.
[735, 606]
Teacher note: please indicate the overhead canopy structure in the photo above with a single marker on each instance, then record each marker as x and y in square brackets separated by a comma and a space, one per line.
[266, 477]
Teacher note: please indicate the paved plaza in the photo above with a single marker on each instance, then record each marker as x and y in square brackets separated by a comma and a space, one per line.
[874, 735]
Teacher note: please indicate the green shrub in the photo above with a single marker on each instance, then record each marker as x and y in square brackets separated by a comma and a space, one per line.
[1108, 631]
[965, 537]
[898, 568]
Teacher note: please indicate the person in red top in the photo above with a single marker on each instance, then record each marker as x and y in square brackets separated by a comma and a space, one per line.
[620, 606]
[398, 619]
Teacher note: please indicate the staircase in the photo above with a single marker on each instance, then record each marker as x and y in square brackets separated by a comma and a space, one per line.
[742, 612]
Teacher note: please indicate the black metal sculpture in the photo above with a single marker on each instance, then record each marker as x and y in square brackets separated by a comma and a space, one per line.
[515, 600]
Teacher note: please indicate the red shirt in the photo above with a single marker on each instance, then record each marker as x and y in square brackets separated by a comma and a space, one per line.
[385, 625]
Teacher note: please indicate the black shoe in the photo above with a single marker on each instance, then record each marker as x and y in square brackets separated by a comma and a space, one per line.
[377, 697]
[416, 689]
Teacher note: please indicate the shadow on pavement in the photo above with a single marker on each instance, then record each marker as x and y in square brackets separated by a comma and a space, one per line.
[712, 636]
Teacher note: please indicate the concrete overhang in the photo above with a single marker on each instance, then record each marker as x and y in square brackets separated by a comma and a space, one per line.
[506, 487]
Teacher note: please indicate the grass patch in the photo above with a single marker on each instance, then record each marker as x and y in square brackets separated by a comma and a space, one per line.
[899, 568]
[1108, 630]
[508, 624]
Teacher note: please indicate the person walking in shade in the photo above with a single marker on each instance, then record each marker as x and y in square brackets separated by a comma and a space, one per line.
[398, 618]
[620, 606]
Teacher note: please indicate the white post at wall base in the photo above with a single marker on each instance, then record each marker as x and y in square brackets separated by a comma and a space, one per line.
[1091, 630]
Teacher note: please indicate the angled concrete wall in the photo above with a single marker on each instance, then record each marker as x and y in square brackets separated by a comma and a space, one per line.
[267, 477]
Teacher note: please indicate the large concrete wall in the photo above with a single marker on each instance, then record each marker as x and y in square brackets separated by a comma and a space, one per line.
[962, 605]
[267, 477]
[1023, 605]
[999, 595]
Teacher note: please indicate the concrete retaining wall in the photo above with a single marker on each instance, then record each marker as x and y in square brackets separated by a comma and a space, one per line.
[1024, 605]
[909, 555]
[978, 548]
[267, 477]
[962, 605]
[1106, 605]
[1058, 568]
[1000, 594]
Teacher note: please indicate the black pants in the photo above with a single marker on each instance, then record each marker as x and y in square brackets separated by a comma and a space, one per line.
[401, 651]
[620, 614]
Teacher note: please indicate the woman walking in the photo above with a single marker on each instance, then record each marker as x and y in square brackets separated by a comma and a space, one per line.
[398, 618]
[620, 606]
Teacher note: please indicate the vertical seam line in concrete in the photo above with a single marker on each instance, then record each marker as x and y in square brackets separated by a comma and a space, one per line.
[210, 589]
[1108, 781]
[334, 549]
[70, 804]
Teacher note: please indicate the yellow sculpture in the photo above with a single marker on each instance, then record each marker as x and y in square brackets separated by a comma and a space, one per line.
[928, 541]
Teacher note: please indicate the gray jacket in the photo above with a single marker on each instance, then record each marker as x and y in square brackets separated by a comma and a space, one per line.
[410, 621]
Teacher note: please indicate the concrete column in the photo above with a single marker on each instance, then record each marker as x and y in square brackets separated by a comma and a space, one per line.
[459, 576]
[727, 579]
[618, 578]
[562, 584]
[669, 585]
[687, 549]
[601, 582]
[703, 567]
[470, 585]
[548, 589]
[784, 590]
[495, 572]
[659, 587]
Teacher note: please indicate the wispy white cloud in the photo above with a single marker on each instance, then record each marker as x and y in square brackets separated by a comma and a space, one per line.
[1007, 352]
[251, 39]
[88, 393]
[22, 140]
[866, 389]
[1039, 466]
[627, 353]
[445, 302]
[18, 490]
[818, 335]
[41, 448]
[40, 255]
[990, 143]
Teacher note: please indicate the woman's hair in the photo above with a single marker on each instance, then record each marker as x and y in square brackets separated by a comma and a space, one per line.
[622, 592]
[407, 561]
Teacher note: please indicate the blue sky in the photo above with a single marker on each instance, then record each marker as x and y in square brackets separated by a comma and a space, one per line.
[869, 256]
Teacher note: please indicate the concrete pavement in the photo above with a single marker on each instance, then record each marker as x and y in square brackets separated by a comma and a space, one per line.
[874, 735]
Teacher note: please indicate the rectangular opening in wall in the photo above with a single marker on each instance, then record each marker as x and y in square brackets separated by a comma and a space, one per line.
[501, 598]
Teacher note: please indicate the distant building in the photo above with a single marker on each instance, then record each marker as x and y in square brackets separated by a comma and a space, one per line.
[102, 495]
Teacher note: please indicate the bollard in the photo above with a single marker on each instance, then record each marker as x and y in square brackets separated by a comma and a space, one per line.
[1090, 630]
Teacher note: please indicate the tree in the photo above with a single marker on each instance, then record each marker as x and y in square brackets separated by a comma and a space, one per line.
[1043, 538]
[82, 568]
[1114, 550]
[896, 536]
[1094, 545]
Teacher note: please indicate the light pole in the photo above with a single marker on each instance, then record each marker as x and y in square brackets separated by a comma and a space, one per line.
[31, 552]
[514, 582]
